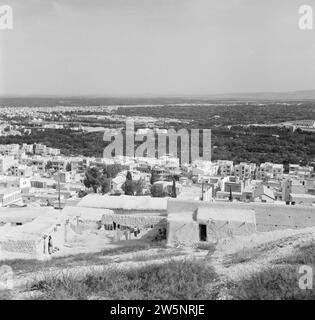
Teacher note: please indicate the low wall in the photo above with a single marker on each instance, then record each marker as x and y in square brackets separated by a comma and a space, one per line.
[141, 212]
[22, 249]
[268, 216]
[134, 220]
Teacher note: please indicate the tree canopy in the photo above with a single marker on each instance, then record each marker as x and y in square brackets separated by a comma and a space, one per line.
[96, 180]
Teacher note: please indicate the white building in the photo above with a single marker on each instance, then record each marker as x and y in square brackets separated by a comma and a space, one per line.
[225, 167]
[58, 163]
[52, 151]
[6, 162]
[38, 163]
[245, 170]
[204, 167]
[15, 182]
[79, 164]
[10, 196]
[269, 170]
[63, 177]
[9, 149]
[27, 148]
[40, 149]
[20, 170]
[295, 169]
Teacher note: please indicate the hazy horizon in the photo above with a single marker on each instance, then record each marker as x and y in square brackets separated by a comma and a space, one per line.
[155, 48]
[157, 96]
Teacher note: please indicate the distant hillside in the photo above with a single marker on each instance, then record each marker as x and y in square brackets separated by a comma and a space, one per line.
[147, 100]
[292, 95]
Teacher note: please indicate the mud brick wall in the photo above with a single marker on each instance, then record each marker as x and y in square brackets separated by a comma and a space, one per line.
[268, 216]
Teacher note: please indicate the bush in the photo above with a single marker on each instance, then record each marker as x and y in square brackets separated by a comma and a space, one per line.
[157, 191]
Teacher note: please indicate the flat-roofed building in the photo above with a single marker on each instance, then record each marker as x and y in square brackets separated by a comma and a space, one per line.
[245, 170]
[40, 149]
[6, 162]
[9, 149]
[10, 196]
[225, 167]
[269, 170]
[21, 170]
[302, 199]
[58, 163]
[38, 163]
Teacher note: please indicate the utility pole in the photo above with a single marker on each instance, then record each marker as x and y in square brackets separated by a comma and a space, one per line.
[59, 187]
[231, 195]
[202, 191]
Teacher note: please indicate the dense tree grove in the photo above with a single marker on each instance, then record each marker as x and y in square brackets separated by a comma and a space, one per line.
[231, 138]
[226, 113]
[255, 144]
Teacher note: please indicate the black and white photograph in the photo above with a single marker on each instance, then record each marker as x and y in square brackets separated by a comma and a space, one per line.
[157, 155]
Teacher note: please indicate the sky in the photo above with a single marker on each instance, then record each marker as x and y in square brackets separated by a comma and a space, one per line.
[155, 47]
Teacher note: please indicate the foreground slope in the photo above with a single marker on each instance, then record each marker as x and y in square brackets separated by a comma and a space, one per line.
[260, 266]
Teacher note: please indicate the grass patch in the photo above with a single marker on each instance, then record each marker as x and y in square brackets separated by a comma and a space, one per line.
[142, 257]
[205, 246]
[280, 281]
[274, 283]
[303, 256]
[242, 256]
[171, 280]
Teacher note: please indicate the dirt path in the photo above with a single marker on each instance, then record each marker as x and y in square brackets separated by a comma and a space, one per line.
[240, 257]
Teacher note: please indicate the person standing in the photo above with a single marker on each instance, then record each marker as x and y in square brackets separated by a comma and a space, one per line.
[50, 245]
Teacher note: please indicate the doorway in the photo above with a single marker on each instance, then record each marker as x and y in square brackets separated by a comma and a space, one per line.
[202, 232]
